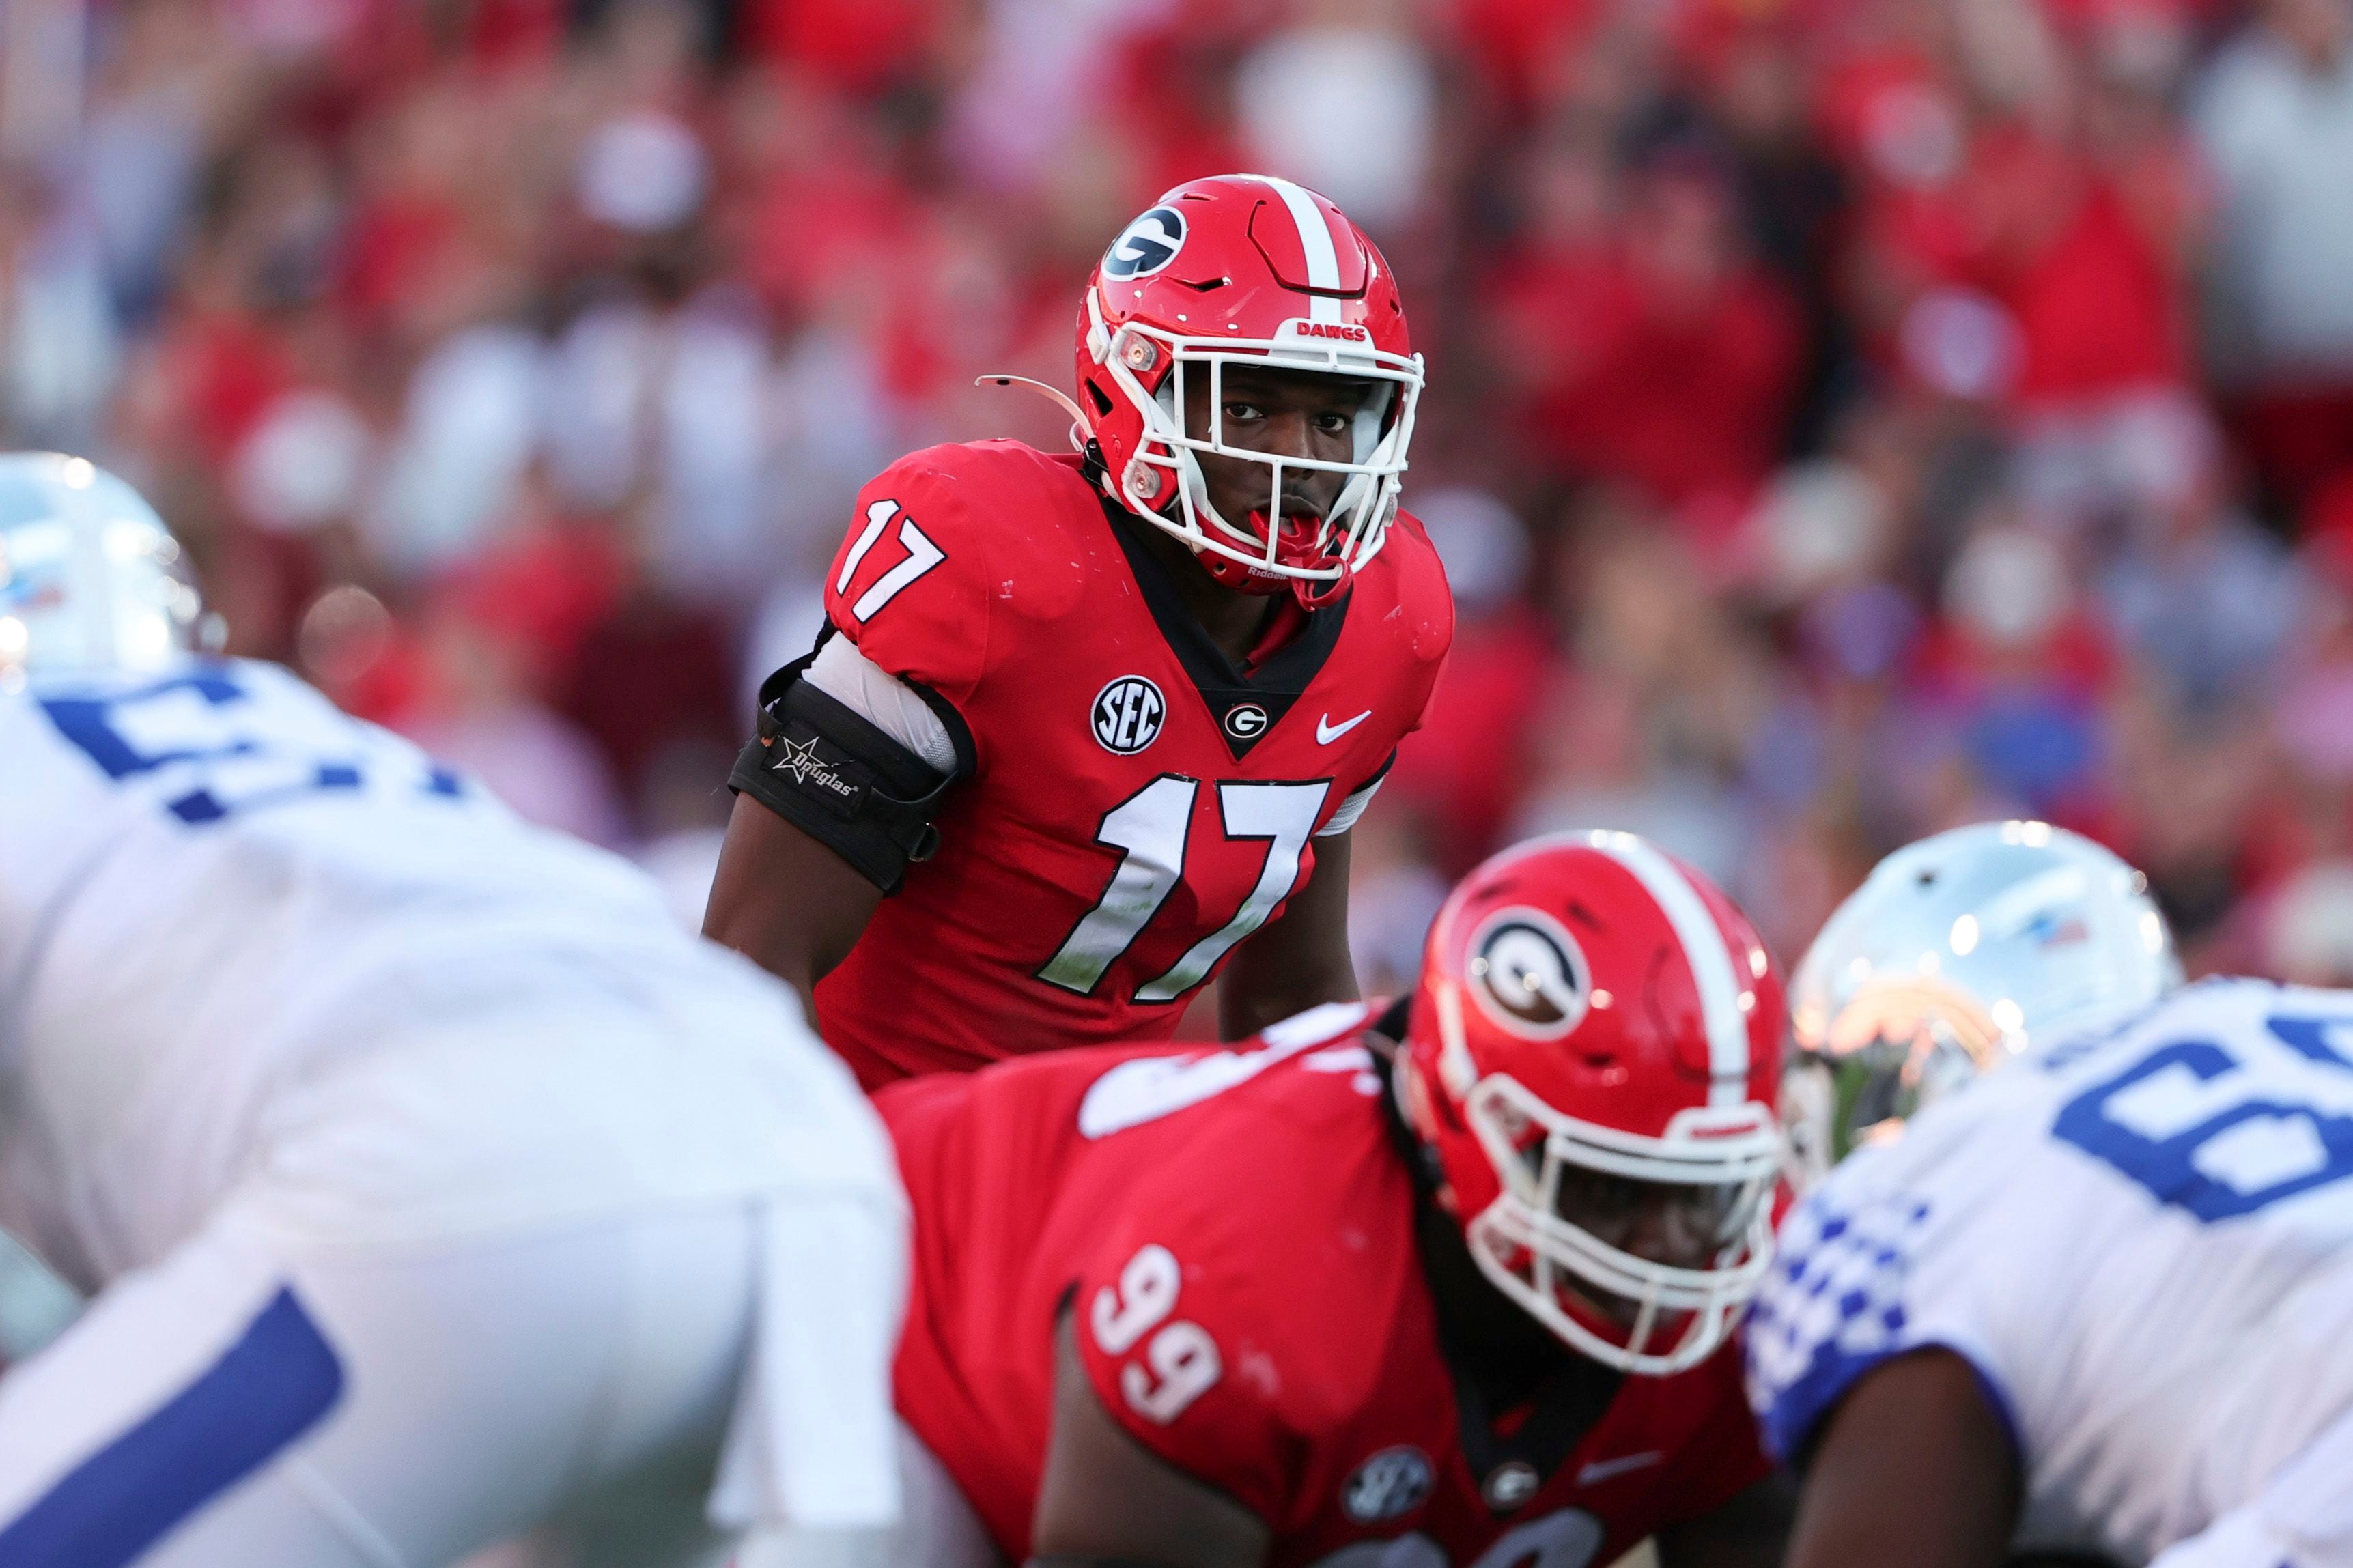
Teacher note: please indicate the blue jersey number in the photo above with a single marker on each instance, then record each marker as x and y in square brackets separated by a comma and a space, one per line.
[2223, 1132]
[218, 748]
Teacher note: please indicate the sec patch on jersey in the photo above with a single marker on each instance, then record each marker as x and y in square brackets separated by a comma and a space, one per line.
[1128, 714]
[1392, 1483]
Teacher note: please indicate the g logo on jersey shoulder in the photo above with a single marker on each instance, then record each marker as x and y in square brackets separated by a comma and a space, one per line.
[1128, 714]
[1145, 245]
[1389, 1485]
[1246, 720]
[1528, 974]
[1508, 1488]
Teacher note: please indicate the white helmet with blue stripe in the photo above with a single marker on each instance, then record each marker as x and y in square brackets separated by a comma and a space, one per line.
[1956, 954]
[91, 580]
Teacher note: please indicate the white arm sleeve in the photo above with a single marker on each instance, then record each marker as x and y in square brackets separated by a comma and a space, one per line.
[1350, 809]
[885, 702]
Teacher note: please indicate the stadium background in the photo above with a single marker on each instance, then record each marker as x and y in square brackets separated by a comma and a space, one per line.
[1847, 417]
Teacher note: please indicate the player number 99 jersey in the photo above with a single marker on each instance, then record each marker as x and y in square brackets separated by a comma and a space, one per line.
[1233, 1232]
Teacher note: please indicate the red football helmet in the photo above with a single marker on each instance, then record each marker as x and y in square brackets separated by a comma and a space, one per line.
[1594, 1054]
[1246, 268]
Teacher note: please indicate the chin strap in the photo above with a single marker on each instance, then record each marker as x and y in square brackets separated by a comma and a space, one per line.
[1078, 415]
[1314, 592]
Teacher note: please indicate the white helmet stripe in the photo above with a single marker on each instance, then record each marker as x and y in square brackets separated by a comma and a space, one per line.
[1315, 240]
[1710, 957]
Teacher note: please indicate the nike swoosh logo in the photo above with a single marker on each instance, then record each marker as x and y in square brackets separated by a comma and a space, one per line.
[1602, 1469]
[1327, 732]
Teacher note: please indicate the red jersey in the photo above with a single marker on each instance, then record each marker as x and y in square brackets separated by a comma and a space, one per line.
[1137, 804]
[1234, 1231]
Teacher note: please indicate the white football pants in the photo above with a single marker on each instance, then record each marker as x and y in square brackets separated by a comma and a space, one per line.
[251, 1402]
[937, 1528]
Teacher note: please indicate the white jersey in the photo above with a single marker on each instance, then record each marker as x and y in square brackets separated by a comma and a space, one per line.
[2142, 1242]
[226, 906]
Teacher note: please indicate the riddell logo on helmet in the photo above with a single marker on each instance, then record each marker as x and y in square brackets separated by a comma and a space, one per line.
[1342, 332]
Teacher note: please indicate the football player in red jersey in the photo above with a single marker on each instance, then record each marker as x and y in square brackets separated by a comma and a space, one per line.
[1464, 1298]
[1086, 731]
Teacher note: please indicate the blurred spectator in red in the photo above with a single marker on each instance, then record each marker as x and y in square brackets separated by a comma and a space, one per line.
[1463, 770]
[1760, 86]
[493, 639]
[1654, 728]
[1649, 346]
[2275, 116]
[856, 45]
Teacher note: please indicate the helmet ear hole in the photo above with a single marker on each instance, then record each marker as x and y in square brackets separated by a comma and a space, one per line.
[1100, 398]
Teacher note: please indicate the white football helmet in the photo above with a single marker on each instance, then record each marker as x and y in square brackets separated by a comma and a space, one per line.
[89, 577]
[1956, 954]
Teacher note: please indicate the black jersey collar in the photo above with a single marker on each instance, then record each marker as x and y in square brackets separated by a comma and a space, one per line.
[1246, 703]
[1500, 1359]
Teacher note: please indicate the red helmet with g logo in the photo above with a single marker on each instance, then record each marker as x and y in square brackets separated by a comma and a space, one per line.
[1246, 268]
[1594, 1055]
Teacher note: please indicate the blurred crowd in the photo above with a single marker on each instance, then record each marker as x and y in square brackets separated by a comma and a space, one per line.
[1847, 417]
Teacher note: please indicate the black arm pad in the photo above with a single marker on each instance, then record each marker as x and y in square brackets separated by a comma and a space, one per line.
[832, 774]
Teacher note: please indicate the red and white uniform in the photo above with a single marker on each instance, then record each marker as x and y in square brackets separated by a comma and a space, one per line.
[1139, 806]
[1234, 1232]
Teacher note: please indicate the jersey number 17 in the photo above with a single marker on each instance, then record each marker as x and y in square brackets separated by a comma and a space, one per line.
[1150, 828]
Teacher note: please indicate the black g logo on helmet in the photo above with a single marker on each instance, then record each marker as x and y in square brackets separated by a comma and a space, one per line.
[1145, 245]
[1528, 974]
